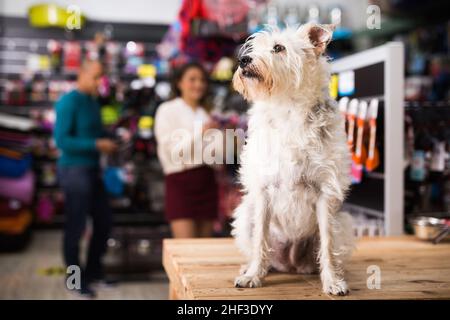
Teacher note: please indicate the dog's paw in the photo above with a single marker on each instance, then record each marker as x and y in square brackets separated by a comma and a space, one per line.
[244, 281]
[337, 288]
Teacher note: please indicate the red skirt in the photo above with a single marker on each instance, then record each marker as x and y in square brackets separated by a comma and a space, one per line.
[191, 194]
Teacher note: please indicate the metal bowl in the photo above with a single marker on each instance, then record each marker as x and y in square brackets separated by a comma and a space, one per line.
[427, 228]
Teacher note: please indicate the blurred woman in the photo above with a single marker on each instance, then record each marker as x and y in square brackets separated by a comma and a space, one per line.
[191, 194]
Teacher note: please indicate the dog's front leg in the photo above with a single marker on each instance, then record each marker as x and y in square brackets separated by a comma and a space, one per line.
[332, 281]
[259, 263]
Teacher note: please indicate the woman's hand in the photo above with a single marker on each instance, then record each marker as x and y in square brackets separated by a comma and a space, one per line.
[211, 124]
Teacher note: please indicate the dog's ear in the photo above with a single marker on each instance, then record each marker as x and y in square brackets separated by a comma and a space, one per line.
[318, 34]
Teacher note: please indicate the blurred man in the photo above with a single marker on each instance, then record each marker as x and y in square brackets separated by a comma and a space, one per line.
[78, 135]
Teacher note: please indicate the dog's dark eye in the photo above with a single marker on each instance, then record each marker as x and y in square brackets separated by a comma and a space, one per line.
[278, 48]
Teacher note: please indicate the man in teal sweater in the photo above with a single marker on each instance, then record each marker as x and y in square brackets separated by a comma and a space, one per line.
[78, 135]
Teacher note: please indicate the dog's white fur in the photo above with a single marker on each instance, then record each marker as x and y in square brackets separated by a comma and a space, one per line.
[295, 164]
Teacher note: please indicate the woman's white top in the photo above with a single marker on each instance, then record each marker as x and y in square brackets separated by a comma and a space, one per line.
[178, 131]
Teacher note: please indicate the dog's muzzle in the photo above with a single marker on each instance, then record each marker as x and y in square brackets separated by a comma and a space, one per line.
[247, 70]
[244, 61]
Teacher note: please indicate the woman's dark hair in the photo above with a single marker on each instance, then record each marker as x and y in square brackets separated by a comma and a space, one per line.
[179, 73]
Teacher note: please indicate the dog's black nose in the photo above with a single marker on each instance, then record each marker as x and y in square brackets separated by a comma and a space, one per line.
[245, 61]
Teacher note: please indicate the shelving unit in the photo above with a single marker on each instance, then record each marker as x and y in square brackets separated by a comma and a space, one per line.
[18, 40]
[389, 59]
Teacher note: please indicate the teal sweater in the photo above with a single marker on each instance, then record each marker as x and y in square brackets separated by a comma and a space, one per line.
[78, 125]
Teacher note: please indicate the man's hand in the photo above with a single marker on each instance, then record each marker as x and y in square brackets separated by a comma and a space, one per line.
[107, 146]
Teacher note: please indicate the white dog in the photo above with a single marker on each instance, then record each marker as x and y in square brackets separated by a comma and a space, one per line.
[295, 166]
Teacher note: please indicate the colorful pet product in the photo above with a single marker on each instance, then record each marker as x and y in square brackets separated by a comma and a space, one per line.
[373, 159]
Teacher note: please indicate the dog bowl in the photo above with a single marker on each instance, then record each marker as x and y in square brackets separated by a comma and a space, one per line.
[428, 228]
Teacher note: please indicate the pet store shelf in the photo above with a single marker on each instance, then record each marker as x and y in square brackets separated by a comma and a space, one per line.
[375, 175]
[426, 105]
[18, 41]
[22, 110]
[382, 196]
[128, 219]
[357, 209]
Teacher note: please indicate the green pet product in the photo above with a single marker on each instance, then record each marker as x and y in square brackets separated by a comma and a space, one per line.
[110, 114]
[51, 15]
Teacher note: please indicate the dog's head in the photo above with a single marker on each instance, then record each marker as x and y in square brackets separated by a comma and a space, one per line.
[273, 62]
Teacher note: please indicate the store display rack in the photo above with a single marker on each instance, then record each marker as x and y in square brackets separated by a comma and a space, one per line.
[18, 40]
[379, 72]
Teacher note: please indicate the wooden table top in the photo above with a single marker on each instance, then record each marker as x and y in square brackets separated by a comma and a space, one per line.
[409, 269]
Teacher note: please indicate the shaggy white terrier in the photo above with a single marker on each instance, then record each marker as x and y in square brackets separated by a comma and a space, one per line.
[295, 166]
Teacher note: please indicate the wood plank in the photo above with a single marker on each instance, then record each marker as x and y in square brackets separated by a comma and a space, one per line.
[178, 288]
[172, 292]
[410, 269]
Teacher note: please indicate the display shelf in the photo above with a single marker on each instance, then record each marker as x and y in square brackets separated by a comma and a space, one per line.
[364, 210]
[119, 219]
[424, 105]
[374, 175]
[19, 40]
[22, 110]
[17, 27]
[381, 75]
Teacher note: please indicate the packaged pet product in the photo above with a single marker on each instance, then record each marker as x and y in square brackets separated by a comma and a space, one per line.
[356, 170]
[134, 56]
[38, 91]
[170, 44]
[351, 118]
[15, 224]
[114, 181]
[21, 189]
[112, 56]
[16, 123]
[15, 93]
[72, 56]
[10, 153]
[15, 141]
[418, 171]
[373, 158]
[145, 126]
[45, 208]
[54, 48]
[14, 168]
[48, 175]
[110, 114]
[343, 103]
[360, 154]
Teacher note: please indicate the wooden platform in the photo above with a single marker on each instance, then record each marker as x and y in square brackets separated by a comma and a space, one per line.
[410, 269]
